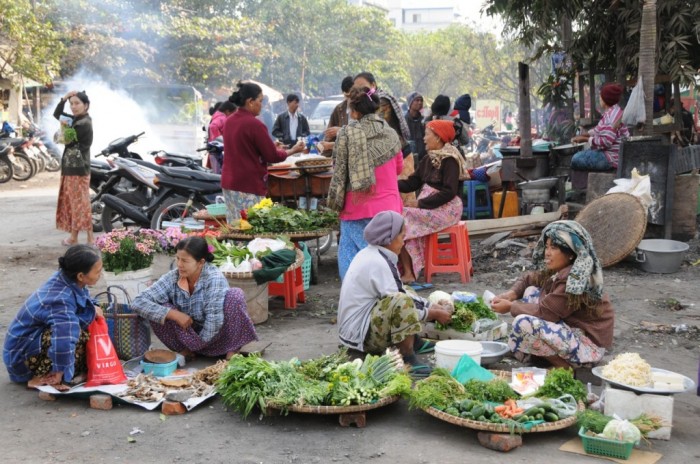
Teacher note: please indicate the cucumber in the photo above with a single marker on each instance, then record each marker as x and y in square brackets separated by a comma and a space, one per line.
[533, 411]
[539, 416]
[482, 418]
[523, 418]
[551, 417]
[466, 405]
[478, 411]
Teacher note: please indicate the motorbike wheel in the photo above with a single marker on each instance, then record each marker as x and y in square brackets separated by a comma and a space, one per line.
[113, 220]
[324, 244]
[96, 207]
[40, 163]
[6, 170]
[171, 210]
[23, 167]
[53, 164]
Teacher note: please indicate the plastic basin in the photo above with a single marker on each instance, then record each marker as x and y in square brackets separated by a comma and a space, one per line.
[448, 352]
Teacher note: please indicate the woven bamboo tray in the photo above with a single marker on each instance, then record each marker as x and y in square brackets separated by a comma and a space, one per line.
[502, 428]
[315, 165]
[347, 415]
[293, 236]
[249, 275]
[203, 215]
[616, 223]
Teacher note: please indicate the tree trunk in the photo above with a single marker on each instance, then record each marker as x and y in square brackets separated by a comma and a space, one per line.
[647, 60]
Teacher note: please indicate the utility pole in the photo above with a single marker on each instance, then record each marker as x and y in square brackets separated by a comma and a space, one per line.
[303, 70]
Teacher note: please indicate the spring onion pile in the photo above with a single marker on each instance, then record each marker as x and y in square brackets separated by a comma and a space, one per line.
[327, 381]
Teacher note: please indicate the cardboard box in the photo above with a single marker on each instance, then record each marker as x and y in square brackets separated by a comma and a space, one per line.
[496, 333]
[629, 405]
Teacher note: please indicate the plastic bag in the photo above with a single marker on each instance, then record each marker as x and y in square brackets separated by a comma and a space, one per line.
[635, 111]
[637, 185]
[622, 430]
[103, 364]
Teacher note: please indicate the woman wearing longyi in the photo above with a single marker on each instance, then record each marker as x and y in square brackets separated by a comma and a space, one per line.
[561, 313]
[45, 343]
[192, 309]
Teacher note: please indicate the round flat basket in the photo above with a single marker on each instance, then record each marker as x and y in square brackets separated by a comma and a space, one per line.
[502, 428]
[616, 223]
[293, 236]
[203, 215]
[339, 409]
[249, 275]
[315, 165]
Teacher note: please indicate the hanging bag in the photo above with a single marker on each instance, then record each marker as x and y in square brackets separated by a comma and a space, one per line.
[635, 111]
[103, 364]
[130, 333]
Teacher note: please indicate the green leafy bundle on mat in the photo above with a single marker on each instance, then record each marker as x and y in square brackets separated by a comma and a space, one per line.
[466, 314]
[559, 382]
[278, 218]
[494, 390]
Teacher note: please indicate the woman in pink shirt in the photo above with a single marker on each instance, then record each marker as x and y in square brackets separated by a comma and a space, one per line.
[368, 161]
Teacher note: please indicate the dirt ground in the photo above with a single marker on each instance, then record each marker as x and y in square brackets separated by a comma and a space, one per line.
[67, 430]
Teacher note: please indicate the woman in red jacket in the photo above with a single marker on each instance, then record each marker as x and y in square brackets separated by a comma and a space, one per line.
[248, 149]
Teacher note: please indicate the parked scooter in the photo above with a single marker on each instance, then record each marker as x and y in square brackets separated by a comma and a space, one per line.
[6, 168]
[485, 138]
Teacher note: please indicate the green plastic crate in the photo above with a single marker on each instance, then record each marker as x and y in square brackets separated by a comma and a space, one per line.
[305, 267]
[605, 447]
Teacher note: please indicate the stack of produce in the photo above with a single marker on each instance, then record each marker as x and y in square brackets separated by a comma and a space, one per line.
[268, 217]
[628, 369]
[327, 381]
[494, 401]
[597, 423]
[466, 314]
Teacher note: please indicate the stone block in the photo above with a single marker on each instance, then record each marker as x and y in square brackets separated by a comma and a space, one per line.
[46, 396]
[502, 442]
[100, 401]
[629, 405]
[173, 408]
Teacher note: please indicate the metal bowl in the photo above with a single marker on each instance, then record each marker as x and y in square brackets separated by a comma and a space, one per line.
[492, 352]
[539, 184]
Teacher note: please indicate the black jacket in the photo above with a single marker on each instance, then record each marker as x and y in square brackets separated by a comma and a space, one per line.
[281, 128]
[83, 129]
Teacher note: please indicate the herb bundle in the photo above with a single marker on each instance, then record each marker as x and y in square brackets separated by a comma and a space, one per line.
[559, 382]
[466, 314]
[278, 219]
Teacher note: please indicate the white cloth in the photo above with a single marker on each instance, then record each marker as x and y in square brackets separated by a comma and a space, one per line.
[372, 275]
[293, 124]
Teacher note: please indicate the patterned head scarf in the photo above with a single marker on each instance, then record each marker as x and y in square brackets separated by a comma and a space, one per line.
[586, 276]
[405, 133]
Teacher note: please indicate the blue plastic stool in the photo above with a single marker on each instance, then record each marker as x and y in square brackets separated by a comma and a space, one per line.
[476, 199]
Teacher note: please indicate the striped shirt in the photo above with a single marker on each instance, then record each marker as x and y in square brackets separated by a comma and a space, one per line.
[205, 305]
[59, 305]
[607, 134]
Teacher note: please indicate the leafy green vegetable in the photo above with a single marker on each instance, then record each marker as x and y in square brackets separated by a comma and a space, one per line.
[494, 390]
[69, 135]
[440, 390]
[278, 218]
[466, 314]
[592, 420]
[559, 382]
[244, 383]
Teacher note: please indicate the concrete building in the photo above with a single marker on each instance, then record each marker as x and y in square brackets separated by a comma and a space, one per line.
[417, 15]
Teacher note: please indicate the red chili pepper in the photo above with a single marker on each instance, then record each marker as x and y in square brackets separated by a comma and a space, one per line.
[244, 214]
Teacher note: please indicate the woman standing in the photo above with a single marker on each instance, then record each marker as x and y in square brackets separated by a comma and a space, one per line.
[192, 309]
[45, 343]
[368, 160]
[562, 315]
[438, 206]
[73, 211]
[248, 149]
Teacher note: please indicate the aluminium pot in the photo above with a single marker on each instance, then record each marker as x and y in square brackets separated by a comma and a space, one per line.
[660, 256]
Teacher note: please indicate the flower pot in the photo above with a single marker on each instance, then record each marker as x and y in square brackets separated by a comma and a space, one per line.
[134, 282]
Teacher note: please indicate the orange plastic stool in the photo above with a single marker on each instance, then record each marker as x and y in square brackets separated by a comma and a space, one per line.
[452, 256]
[292, 289]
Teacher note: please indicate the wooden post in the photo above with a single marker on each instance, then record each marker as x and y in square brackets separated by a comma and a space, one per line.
[524, 120]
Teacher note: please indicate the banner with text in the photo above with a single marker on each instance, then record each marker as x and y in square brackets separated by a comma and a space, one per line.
[488, 112]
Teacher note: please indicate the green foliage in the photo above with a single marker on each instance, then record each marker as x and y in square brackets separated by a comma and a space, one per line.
[494, 390]
[466, 314]
[440, 390]
[278, 218]
[559, 382]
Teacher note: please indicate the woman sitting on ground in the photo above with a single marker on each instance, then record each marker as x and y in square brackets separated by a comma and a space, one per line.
[563, 316]
[439, 177]
[375, 311]
[45, 343]
[192, 309]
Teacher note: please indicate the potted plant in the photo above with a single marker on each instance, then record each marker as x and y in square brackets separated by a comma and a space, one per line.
[127, 257]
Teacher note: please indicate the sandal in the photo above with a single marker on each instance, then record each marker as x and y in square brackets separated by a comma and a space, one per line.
[419, 286]
[421, 346]
[420, 371]
[67, 242]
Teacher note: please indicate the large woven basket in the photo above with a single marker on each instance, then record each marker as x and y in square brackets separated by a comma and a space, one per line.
[337, 409]
[315, 165]
[503, 428]
[249, 275]
[293, 236]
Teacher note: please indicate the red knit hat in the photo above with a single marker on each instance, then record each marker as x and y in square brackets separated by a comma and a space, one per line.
[443, 128]
[610, 93]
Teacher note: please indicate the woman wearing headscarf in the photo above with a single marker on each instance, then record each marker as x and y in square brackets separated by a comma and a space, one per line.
[368, 160]
[605, 137]
[390, 111]
[439, 205]
[561, 313]
[440, 109]
[73, 210]
[375, 311]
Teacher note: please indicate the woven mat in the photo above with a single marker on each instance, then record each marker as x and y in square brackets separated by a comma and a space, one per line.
[616, 223]
[293, 236]
[339, 409]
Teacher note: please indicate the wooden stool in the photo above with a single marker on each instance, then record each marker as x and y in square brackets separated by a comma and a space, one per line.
[292, 289]
[452, 256]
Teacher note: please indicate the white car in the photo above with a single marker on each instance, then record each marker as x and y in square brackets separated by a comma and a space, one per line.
[321, 115]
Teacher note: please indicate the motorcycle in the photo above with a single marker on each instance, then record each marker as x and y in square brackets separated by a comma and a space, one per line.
[6, 168]
[172, 194]
[486, 138]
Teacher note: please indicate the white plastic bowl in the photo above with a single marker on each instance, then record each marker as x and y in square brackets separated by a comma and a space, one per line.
[448, 352]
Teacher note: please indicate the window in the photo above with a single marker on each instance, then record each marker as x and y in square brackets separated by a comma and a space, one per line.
[416, 18]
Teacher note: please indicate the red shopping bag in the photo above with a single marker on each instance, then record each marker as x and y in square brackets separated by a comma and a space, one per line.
[103, 364]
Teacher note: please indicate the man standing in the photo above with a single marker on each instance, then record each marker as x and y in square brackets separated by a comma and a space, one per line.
[414, 120]
[291, 124]
[339, 117]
